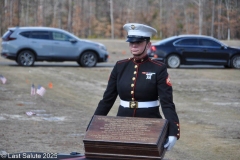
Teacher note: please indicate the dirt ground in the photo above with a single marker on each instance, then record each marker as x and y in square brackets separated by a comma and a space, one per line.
[207, 100]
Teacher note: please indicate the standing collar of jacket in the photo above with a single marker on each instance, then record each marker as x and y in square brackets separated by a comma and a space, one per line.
[145, 58]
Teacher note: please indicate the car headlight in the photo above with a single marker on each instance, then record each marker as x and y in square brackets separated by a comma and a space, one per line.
[102, 47]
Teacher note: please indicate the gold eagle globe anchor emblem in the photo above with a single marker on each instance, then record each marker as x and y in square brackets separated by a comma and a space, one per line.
[133, 27]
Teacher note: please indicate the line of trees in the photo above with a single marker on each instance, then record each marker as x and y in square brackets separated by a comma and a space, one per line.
[105, 18]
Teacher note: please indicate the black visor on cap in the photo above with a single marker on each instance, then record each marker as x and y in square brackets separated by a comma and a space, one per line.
[137, 39]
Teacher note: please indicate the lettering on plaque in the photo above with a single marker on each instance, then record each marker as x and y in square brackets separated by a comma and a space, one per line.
[124, 129]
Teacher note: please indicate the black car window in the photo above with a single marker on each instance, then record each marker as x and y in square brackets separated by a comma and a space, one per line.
[40, 35]
[60, 36]
[25, 34]
[187, 42]
[208, 42]
[165, 41]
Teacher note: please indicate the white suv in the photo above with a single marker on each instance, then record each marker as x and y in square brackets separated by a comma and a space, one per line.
[26, 45]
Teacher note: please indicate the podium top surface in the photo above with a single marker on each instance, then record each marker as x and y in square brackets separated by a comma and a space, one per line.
[125, 129]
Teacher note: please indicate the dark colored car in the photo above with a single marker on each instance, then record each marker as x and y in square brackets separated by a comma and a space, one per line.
[194, 50]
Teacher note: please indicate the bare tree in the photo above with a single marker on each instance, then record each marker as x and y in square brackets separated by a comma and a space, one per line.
[160, 16]
[213, 17]
[59, 15]
[112, 19]
[219, 19]
[229, 8]
[90, 18]
[3, 13]
[70, 16]
[19, 11]
[10, 12]
[200, 14]
[35, 6]
[55, 13]
[40, 12]
[27, 13]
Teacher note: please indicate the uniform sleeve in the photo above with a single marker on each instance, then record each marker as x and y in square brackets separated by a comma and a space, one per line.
[109, 95]
[166, 100]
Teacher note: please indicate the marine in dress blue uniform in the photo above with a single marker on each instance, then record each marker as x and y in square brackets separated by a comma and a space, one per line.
[142, 84]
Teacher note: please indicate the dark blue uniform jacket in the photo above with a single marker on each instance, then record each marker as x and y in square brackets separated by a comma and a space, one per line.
[141, 80]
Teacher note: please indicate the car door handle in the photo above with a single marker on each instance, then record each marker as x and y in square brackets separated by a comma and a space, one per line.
[181, 49]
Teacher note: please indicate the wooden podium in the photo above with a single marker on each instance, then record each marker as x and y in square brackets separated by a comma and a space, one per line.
[125, 138]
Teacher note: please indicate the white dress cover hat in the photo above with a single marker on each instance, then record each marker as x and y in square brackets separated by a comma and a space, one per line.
[138, 32]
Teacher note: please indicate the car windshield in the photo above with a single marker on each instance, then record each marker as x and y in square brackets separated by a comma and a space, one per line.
[219, 42]
[70, 34]
[223, 44]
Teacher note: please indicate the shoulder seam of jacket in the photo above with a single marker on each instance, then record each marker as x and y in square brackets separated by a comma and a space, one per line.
[156, 62]
[124, 60]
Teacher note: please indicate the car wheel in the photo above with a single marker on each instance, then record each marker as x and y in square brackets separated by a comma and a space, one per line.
[26, 58]
[88, 59]
[173, 61]
[235, 62]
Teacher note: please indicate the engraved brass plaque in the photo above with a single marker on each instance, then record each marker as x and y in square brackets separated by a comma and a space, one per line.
[125, 138]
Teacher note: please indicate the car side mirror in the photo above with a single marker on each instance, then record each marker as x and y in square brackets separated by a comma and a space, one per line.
[72, 40]
[223, 47]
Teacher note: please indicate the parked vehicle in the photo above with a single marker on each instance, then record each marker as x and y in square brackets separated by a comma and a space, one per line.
[194, 50]
[26, 45]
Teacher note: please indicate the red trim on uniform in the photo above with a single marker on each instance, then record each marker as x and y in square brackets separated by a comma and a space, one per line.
[156, 62]
[124, 60]
[133, 96]
[134, 112]
[168, 81]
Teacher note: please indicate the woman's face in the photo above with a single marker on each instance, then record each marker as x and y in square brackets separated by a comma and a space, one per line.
[137, 48]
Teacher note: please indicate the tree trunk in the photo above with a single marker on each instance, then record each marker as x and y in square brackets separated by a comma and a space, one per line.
[11, 13]
[228, 18]
[199, 3]
[219, 18]
[55, 13]
[36, 12]
[161, 17]
[213, 17]
[40, 13]
[22, 14]
[19, 11]
[27, 13]
[90, 18]
[70, 16]
[200, 13]
[59, 18]
[112, 20]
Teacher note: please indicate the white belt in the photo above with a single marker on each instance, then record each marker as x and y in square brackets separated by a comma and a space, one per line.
[136, 104]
